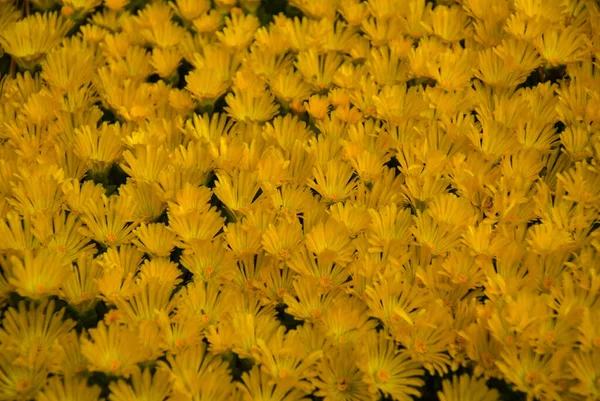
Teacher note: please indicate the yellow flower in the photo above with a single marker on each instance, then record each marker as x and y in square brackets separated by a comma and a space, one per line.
[100, 147]
[537, 375]
[317, 106]
[210, 261]
[206, 84]
[150, 297]
[195, 228]
[330, 242]
[145, 163]
[335, 183]
[257, 384]
[80, 290]
[144, 385]
[451, 24]
[317, 69]
[246, 106]
[281, 360]
[63, 389]
[389, 370]
[29, 39]
[20, 383]
[306, 303]
[114, 350]
[17, 233]
[347, 322]
[165, 61]
[239, 191]
[198, 374]
[585, 369]
[155, 239]
[116, 5]
[466, 387]
[161, 270]
[163, 35]
[282, 239]
[39, 273]
[30, 333]
[238, 31]
[70, 66]
[340, 379]
[109, 221]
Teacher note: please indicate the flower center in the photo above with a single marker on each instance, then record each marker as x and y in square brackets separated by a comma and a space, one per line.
[111, 237]
[383, 375]
[23, 385]
[114, 365]
[342, 384]
[532, 377]
[420, 346]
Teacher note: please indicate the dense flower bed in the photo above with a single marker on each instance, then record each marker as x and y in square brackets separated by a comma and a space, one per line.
[345, 200]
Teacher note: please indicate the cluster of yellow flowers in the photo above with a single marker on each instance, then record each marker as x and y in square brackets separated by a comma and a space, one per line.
[199, 205]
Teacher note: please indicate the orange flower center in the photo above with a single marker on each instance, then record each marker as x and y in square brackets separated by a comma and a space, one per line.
[420, 346]
[111, 237]
[487, 360]
[114, 365]
[383, 375]
[23, 385]
[342, 384]
[325, 282]
[550, 337]
[205, 318]
[532, 377]
[284, 254]
[67, 11]
[462, 278]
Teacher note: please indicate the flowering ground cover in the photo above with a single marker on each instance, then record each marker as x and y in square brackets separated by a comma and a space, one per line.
[337, 200]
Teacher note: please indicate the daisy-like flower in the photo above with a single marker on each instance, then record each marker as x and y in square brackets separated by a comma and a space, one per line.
[534, 374]
[335, 182]
[59, 389]
[339, 378]
[238, 190]
[448, 23]
[38, 273]
[80, 290]
[114, 350]
[246, 106]
[109, 221]
[238, 31]
[155, 239]
[563, 47]
[282, 239]
[466, 387]
[257, 384]
[99, 147]
[327, 246]
[143, 384]
[18, 382]
[31, 38]
[195, 373]
[389, 370]
[281, 360]
[585, 369]
[30, 332]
